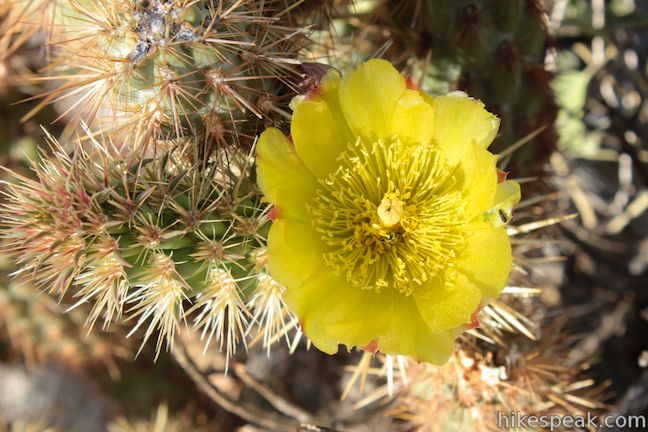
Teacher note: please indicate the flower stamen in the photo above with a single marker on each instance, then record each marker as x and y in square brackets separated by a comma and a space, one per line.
[391, 215]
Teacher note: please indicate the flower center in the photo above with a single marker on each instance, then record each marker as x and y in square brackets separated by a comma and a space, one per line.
[392, 215]
[390, 212]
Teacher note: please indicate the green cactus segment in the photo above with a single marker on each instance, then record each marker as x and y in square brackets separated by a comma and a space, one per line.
[175, 67]
[37, 330]
[492, 49]
[138, 238]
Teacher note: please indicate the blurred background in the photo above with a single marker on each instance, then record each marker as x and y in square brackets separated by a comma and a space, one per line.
[569, 79]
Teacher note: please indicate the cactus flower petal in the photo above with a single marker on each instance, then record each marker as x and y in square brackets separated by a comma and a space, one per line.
[318, 127]
[410, 335]
[486, 259]
[444, 305]
[480, 179]
[369, 97]
[330, 313]
[284, 239]
[413, 118]
[460, 120]
[279, 167]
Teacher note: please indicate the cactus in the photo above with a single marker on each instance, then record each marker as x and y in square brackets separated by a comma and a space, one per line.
[492, 49]
[33, 327]
[142, 239]
[160, 69]
[157, 239]
[6, 26]
[509, 364]
[479, 389]
[20, 55]
[17, 27]
[25, 427]
[161, 420]
[37, 329]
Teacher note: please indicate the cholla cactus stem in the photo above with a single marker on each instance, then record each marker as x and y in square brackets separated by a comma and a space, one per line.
[142, 239]
[163, 70]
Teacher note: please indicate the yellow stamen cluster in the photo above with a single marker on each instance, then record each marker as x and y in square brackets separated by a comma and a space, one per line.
[390, 214]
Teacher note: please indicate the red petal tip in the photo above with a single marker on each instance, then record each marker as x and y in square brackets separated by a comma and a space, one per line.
[371, 347]
[501, 175]
[409, 83]
[474, 318]
[273, 215]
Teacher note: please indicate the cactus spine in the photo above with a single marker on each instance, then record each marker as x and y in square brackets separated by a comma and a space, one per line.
[165, 69]
[142, 238]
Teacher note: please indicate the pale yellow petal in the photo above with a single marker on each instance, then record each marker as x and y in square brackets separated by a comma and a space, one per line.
[295, 253]
[479, 171]
[461, 121]
[445, 306]
[413, 118]
[319, 129]
[487, 259]
[368, 97]
[332, 312]
[410, 335]
[283, 178]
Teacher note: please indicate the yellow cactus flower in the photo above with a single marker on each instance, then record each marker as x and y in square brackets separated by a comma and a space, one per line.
[389, 231]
